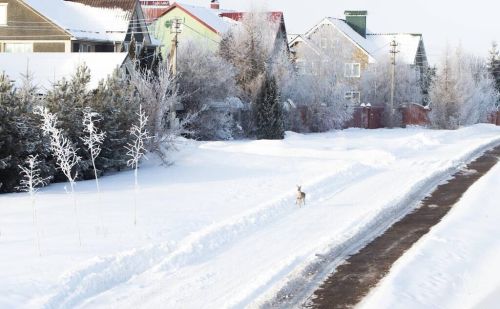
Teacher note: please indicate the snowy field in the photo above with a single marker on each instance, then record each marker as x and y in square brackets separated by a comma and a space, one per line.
[456, 264]
[220, 228]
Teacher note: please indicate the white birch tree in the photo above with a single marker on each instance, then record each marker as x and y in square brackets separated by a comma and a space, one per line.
[30, 182]
[64, 152]
[93, 138]
[136, 150]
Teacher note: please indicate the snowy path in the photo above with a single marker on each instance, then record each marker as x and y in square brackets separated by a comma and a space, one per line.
[456, 264]
[220, 228]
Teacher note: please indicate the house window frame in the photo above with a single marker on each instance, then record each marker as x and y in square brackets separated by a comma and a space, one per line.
[350, 70]
[324, 42]
[353, 96]
[5, 21]
[8, 45]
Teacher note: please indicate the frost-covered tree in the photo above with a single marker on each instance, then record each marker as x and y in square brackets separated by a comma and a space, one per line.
[159, 96]
[93, 138]
[463, 93]
[64, 152]
[494, 65]
[207, 84]
[376, 85]
[30, 182]
[269, 111]
[318, 89]
[136, 150]
[250, 48]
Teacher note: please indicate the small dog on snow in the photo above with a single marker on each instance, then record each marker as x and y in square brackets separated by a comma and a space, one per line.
[301, 197]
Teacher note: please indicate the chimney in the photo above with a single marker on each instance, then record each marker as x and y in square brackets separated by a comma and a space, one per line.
[214, 4]
[357, 21]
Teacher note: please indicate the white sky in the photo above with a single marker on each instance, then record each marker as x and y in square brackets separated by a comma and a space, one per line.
[472, 23]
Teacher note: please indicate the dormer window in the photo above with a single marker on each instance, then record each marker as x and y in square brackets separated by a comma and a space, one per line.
[3, 14]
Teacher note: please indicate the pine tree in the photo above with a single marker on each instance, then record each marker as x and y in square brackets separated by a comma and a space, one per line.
[268, 111]
[116, 103]
[131, 48]
[494, 64]
[68, 99]
[19, 135]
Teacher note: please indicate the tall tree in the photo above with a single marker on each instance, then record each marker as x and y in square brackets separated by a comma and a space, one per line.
[494, 64]
[463, 93]
[269, 111]
[20, 136]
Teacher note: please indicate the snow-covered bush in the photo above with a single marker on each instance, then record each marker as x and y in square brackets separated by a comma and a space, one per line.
[207, 84]
[159, 96]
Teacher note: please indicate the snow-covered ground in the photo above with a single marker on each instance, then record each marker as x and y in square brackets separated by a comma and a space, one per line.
[219, 228]
[456, 265]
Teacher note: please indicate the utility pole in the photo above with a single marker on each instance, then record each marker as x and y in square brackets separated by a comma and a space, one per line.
[175, 29]
[393, 52]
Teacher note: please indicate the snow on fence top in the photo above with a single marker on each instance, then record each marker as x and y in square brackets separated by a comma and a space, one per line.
[104, 23]
[47, 69]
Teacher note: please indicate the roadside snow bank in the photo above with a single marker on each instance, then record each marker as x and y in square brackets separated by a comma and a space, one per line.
[456, 264]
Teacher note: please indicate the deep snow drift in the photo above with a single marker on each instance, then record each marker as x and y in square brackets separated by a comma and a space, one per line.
[456, 264]
[219, 228]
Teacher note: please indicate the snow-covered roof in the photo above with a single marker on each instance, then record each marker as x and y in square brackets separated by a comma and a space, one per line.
[349, 33]
[375, 45]
[211, 17]
[50, 67]
[408, 44]
[86, 22]
[307, 41]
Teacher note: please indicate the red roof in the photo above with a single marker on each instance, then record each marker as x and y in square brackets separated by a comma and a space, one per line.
[152, 13]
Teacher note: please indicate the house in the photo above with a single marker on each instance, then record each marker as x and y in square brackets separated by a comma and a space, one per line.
[349, 40]
[71, 26]
[206, 25]
[191, 23]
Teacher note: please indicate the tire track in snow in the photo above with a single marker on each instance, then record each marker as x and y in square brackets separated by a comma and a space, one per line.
[111, 271]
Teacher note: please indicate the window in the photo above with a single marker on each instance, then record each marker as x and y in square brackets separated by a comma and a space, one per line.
[18, 48]
[301, 67]
[354, 96]
[324, 43]
[85, 48]
[352, 70]
[3, 14]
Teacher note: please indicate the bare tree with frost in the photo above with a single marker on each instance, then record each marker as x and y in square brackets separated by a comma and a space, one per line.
[93, 138]
[159, 94]
[30, 182]
[64, 152]
[136, 150]
[463, 93]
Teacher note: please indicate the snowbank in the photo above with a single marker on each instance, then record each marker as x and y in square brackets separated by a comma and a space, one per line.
[456, 264]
